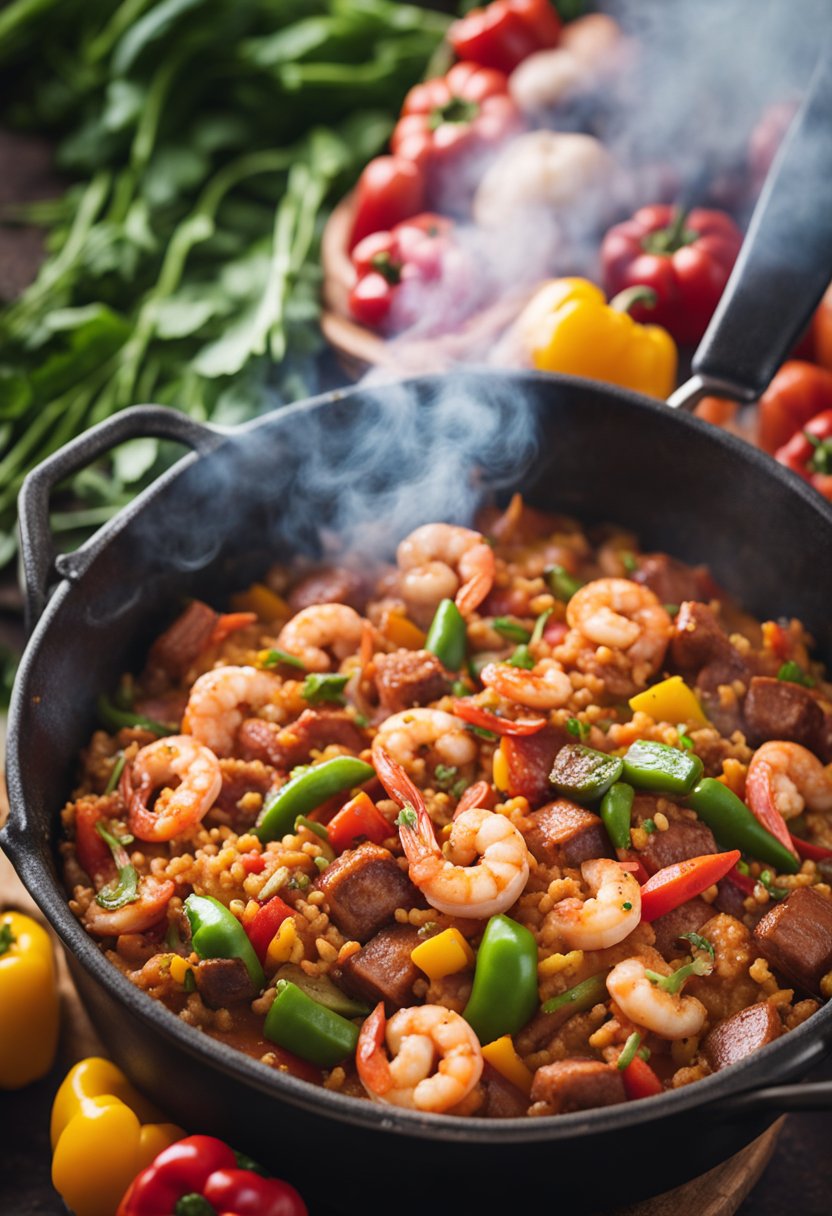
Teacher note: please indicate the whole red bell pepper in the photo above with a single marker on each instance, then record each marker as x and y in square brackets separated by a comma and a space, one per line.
[389, 190]
[449, 124]
[686, 258]
[676, 884]
[505, 33]
[389, 265]
[201, 1167]
[809, 453]
[360, 819]
[799, 392]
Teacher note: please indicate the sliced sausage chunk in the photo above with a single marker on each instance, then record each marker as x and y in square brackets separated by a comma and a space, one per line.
[502, 1099]
[702, 651]
[671, 580]
[741, 1034]
[363, 888]
[795, 937]
[530, 759]
[328, 585]
[285, 746]
[778, 709]
[223, 981]
[672, 927]
[409, 677]
[175, 650]
[683, 839]
[577, 1084]
[565, 834]
[383, 969]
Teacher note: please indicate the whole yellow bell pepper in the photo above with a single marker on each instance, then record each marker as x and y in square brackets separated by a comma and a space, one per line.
[569, 327]
[29, 1006]
[103, 1134]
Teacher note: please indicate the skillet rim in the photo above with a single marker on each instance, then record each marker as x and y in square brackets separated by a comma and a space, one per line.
[793, 1054]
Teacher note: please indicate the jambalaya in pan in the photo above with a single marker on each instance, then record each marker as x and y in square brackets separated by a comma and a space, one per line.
[529, 822]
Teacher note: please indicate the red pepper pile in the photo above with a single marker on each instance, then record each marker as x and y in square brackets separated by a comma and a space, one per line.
[199, 1176]
[392, 266]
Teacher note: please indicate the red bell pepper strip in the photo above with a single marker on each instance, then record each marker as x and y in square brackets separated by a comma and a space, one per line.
[265, 923]
[743, 882]
[799, 392]
[387, 263]
[685, 258]
[809, 452]
[505, 33]
[93, 853]
[486, 720]
[360, 819]
[639, 1080]
[253, 863]
[676, 884]
[390, 190]
[228, 623]
[759, 798]
[808, 851]
[445, 121]
[632, 862]
[205, 1167]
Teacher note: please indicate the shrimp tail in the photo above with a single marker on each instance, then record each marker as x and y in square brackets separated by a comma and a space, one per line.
[370, 1061]
[396, 781]
[475, 795]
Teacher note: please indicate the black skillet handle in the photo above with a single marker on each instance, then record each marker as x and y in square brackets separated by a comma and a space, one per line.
[37, 548]
[785, 264]
[779, 1099]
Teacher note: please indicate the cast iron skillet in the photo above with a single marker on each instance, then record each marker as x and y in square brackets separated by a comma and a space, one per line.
[370, 464]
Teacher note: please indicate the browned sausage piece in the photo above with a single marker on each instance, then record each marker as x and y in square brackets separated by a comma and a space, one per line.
[328, 585]
[577, 1084]
[671, 580]
[502, 1099]
[565, 834]
[363, 888]
[383, 970]
[741, 1034]
[409, 677]
[286, 746]
[183, 641]
[698, 639]
[795, 936]
[778, 709]
[223, 981]
[683, 839]
[670, 928]
[530, 759]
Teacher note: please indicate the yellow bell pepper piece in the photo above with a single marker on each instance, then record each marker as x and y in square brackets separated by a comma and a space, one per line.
[670, 701]
[499, 769]
[443, 955]
[103, 1134]
[569, 327]
[502, 1056]
[282, 944]
[29, 1008]
[555, 963]
[259, 598]
[401, 631]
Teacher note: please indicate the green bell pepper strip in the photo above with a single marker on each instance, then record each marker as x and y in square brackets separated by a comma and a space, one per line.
[216, 933]
[117, 719]
[616, 806]
[734, 825]
[661, 769]
[322, 989]
[583, 773]
[583, 996]
[561, 583]
[302, 1025]
[307, 791]
[125, 888]
[447, 637]
[504, 996]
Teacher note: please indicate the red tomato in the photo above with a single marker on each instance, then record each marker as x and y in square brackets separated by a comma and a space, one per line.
[797, 394]
[505, 33]
[390, 190]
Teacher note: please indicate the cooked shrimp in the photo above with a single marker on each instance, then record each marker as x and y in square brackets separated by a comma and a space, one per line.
[624, 617]
[485, 865]
[316, 633]
[441, 561]
[786, 778]
[215, 709]
[668, 1014]
[608, 916]
[404, 735]
[136, 917]
[189, 778]
[437, 1058]
[546, 686]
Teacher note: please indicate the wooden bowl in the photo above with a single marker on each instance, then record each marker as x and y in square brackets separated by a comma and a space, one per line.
[361, 349]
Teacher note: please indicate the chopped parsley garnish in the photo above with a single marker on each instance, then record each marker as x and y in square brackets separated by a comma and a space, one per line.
[629, 1051]
[671, 609]
[627, 906]
[793, 673]
[539, 626]
[561, 583]
[699, 942]
[766, 880]
[649, 826]
[459, 688]
[513, 630]
[577, 728]
[629, 562]
[323, 688]
[701, 965]
[521, 658]
[274, 658]
[482, 733]
[407, 817]
[124, 889]
[685, 740]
